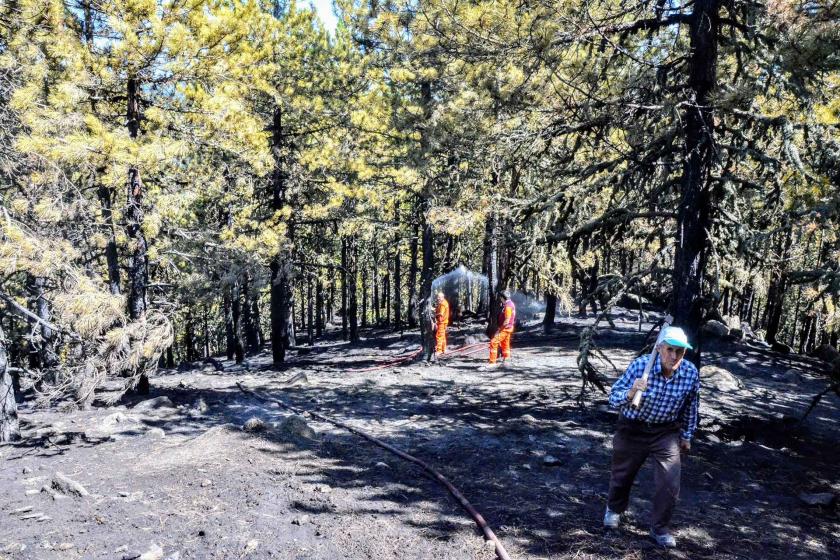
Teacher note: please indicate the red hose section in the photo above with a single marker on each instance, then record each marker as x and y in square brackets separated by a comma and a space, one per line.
[387, 364]
[402, 359]
[477, 517]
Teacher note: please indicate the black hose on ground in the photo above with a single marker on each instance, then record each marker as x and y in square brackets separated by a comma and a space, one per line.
[477, 517]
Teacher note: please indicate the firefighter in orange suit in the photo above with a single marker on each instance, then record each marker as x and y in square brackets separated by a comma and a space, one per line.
[507, 319]
[442, 320]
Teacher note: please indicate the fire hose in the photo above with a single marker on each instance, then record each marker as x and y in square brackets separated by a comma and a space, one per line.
[489, 535]
[401, 359]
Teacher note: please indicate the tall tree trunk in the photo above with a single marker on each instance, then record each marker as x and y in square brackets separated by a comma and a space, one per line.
[9, 425]
[425, 304]
[776, 291]
[138, 246]
[550, 311]
[695, 213]
[189, 340]
[319, 309]
[386, 288]
[365, 276]
[375, 281]
[397, 294]
[106, 196]
[206, 328]
[249, 318]
[310, 327]
[227, 314]
[282, 296]
[352, 288]
[236, 314]
[412, 279]
[47, 358]
[491, 259]
[344, 288]
[134, 217]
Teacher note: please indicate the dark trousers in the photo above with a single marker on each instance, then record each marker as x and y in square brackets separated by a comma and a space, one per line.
[632, 444]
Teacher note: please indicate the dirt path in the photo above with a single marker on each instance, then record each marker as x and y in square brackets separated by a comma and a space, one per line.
[183, 480]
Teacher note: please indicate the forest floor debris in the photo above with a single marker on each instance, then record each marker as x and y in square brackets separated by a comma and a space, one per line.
[756, 485]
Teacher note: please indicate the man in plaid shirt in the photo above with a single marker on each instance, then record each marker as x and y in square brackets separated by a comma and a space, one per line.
[662, 427]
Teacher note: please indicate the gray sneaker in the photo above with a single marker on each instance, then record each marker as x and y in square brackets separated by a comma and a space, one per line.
[665, 540]
[612, 519]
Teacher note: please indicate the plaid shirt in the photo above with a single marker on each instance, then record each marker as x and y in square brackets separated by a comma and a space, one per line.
[664, 400]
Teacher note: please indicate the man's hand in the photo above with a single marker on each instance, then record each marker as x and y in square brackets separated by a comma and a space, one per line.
[685, 445]
[638, 385]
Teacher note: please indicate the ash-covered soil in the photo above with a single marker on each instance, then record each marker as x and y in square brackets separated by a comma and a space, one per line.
[175, 476]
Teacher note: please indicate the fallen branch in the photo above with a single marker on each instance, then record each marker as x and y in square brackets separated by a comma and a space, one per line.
[479, 520]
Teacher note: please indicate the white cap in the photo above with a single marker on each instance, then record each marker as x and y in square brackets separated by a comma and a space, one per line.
[675, 336]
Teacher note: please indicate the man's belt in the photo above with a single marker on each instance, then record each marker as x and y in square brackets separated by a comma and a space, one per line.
[645, 426]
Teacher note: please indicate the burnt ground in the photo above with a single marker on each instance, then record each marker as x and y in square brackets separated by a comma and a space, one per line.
[514, 440]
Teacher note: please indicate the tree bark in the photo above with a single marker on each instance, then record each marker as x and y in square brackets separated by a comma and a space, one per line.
[412, 279]
[319, 309]
[249, 318]
[550, 312]
[344, 288]
[111, 257]
[365, 284]
[310, 315]
[425, 304]
[375, 280]
[776, 291]
[694, 217]
[9, 425]
[137, 262]
[227, 313]
[236, 313]
[397, 294]
[352, 291]
[282, 296]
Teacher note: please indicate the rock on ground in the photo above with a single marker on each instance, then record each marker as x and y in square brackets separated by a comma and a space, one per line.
[715, 328]
[67, 486]
[719, 378]
[253, 424]
[296, 426]
[154, 404]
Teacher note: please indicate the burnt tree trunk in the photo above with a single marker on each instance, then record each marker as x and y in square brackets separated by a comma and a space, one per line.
[134, 217]
[352, 291]
[550, 312]
[397, 294]
[344, 288]
[425, 311]
[695, 213]
[46, 357]
[106, 196]
[250, 323]
[282, 297]
[412, 279]
[236, 314]
[190, 355]
[227, 314]
[375, 281]
[9, 425]
[365, 283]
[138, 246]
[319, 309]
[206, 328]
[310, 315]
[386, 288]
[776, 291]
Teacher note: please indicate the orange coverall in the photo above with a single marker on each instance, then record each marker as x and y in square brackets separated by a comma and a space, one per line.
[507, 318]
[442, 320]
